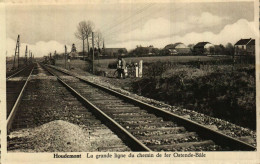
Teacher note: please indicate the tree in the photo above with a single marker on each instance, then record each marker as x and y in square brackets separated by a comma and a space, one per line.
[229, 49]
[83, 32]
[98, 39]
[120, 51]
[219, 49]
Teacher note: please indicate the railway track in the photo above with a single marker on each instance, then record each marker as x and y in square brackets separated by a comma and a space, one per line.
[12, 73]
[14, 85]
[144, 127]
[45, 102]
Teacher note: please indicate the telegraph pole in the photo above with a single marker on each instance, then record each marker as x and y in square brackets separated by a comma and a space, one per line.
[29, 56]
[65, 56]
[17, 51]
[93, 52]
[26, 55]
[18, 43]
[103, 47]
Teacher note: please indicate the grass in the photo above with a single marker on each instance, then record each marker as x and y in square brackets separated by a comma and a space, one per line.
[105, 62]
[75, 64]
[219, 91]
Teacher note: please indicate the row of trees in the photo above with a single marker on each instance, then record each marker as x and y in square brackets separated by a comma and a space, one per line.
[84, 32]
[228, 49]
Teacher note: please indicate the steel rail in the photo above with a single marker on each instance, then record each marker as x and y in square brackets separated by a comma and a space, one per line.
[17, 102]
[122, 133]
[203, 131]
[16, 72]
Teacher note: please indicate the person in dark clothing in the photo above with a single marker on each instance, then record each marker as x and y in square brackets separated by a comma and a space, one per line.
[121, 65]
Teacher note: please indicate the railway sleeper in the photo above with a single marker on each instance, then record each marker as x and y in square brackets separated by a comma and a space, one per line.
[159, 130]
[151, 118]
[131, 114]
[170, 136]
[105, 101]
[130, 117]
[123, 108]
[125, 112]
[183, 146]
[144, 124]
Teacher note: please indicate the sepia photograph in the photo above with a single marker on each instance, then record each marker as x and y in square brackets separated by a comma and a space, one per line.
[131, 77]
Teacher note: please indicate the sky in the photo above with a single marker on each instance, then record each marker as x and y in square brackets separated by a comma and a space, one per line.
[46, 28]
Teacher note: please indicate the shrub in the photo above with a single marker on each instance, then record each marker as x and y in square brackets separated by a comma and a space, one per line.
[216, 91]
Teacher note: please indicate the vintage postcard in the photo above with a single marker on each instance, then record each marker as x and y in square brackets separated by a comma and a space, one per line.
[130, 81]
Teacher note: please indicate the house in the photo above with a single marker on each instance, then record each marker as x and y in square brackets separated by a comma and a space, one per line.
[177, 48]
[245, 47]
[113, 52]
[204, 48]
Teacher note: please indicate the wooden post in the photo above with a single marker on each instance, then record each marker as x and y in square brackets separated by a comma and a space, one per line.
[18, 42]
[65, 56]
[26, 55]
[29, 60]
[93, 52]
[140, 71]
[136, 70]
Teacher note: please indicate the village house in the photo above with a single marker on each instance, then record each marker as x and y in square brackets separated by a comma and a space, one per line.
[245, 47]
[204, 48]
[177, 48]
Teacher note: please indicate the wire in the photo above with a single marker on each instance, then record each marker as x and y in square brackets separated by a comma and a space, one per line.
[119, 23]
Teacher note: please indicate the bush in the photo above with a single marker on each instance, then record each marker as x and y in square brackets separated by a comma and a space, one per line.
[112, 65]
[216, 91]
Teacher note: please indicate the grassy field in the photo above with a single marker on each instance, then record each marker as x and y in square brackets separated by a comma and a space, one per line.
[104, 62]
[74, 64]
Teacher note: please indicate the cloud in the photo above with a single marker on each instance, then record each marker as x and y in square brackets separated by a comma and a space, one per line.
[206, 19]
[230, 33]
[39, 49]
[153, 28]
[161, 27]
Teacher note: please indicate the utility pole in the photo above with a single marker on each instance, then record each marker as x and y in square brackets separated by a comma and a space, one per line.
[18, 43]
[103, 47]
[65, 56]
[93, 52]
[31, 57]
[17, 51]
[26, 55]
